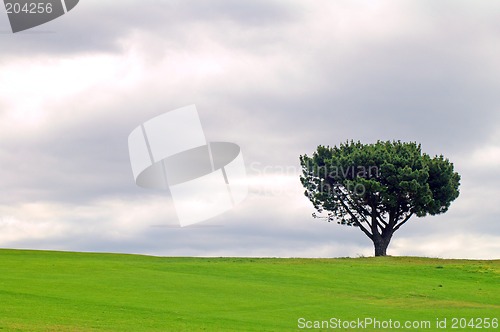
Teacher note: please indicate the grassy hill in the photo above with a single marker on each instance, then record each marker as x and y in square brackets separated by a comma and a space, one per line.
[61, 291]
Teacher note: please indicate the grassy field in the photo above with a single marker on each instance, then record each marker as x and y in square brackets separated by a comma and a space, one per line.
[59, 291]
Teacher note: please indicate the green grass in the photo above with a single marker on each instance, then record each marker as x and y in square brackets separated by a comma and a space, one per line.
[61, 291]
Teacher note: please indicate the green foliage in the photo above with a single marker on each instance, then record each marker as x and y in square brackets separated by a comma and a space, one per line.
[378, 187]
[55, 291]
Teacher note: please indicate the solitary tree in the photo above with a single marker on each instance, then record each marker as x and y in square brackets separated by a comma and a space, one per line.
[377, 187]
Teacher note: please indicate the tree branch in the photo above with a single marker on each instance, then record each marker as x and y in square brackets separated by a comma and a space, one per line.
[356, 221]
[402, 222]
[379, 217]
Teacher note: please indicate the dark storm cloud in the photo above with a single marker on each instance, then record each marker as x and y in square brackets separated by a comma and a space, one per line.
[229, 234]
[97, 26]
[443, 95]
[76, 160]
[435, 85]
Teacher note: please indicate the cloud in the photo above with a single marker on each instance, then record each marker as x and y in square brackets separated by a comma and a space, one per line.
[276, 77]
[97, 26]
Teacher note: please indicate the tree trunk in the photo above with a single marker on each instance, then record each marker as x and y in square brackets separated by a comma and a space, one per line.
[381, 246]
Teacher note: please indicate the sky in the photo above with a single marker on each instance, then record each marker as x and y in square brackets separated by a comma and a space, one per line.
[278, 78]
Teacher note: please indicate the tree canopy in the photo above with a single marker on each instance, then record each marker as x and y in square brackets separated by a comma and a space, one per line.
[378, 187]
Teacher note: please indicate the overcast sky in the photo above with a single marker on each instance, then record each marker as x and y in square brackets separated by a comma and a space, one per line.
[276, 77]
